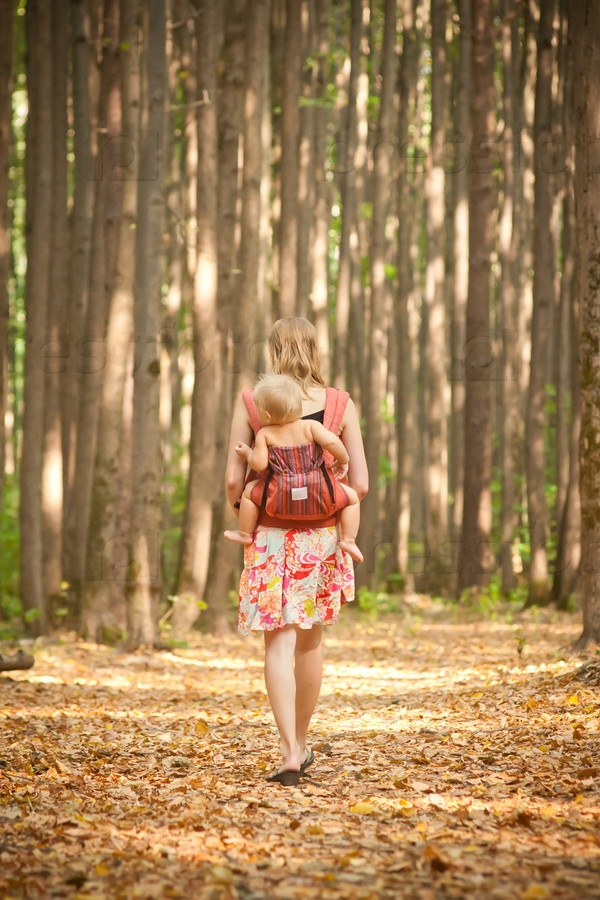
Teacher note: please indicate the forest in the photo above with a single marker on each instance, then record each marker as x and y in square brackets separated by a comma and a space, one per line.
[419, 178]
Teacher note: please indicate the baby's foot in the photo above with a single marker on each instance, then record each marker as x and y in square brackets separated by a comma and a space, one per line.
[349, 545]
[240, 537]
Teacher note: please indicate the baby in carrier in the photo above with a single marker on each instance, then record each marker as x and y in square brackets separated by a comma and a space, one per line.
[294, 482]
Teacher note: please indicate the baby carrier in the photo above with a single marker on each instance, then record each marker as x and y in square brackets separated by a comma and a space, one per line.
[297, 487]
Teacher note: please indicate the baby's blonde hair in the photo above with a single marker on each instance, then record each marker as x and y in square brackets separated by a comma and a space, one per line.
[280, 396]
[294, 351]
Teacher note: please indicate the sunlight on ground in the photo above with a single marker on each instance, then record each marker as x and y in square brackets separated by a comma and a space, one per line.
[448, 765]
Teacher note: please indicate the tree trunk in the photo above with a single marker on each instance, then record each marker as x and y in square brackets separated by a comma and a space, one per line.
[37, 289]
[144, 583]
[91, 350]
[405, 307]
[347, 184]
[378, 319]
[103, 607]
[55, 366]
[508, 386]
[543, 306]
[435, 310]
[477, 512]
[586, 41]
[460, 273]
[321, 220]
[290, 134]
[568, 553]
[224, 556]
[80, 241]
[208, 387]
[6, 85]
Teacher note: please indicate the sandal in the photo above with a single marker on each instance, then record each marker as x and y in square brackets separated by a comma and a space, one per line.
[288, 778]
[310, 758]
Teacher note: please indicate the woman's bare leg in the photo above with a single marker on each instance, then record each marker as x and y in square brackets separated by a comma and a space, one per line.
[280, 681]
[309, 673]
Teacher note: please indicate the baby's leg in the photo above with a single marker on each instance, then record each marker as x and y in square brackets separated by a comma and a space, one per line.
[349, 523]
[248, 518]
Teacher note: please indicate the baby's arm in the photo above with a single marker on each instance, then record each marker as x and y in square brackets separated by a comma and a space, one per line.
[257, 458]
[329, 441]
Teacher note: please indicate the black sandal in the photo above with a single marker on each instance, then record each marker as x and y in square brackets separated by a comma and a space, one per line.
[310, 758]
[288, 778]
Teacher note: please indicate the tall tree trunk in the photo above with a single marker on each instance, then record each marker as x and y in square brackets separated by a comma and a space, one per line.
[405, 306]
[508, 386]
[91, 358]
[224, 555]
[103, 605]
[460, 272]
[435, 308]
[319, 297]
[477, 512]
[378, 319]
[6, 84]
[80, 241]
[37, 288]
[201, 492]
[568, 554]
[543, 306]
[144, 584]
[55, 367]
[586, 41]
[347, 180]
[290, 134]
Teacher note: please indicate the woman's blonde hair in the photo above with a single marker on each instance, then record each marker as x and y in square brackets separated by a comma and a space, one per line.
[280, 396]
[294, 351]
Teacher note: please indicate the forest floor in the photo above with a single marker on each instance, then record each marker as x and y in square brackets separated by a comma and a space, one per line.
[454, 759]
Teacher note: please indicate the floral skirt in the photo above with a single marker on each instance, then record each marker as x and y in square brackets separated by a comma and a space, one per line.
[294, 577]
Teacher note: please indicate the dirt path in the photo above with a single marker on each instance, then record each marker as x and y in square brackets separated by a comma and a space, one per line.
[448, 765]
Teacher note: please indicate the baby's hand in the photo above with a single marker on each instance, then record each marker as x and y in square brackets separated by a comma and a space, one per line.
[339, 470]
[243, 449]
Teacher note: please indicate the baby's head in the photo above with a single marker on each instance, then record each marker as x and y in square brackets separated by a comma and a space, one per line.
[278, 399]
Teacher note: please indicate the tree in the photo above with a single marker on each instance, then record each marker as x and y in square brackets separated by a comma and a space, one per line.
[435, 304]
[543, 305]
[39, 212]
[477, 512]
[290, 135]
[197, 530]
[378, 307]
[103, 598]
[144, 581]
[6, 9]
[586, 41]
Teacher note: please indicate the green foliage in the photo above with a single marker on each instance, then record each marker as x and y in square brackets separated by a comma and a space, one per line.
[376, 603]
[11, 609]
[489, 601]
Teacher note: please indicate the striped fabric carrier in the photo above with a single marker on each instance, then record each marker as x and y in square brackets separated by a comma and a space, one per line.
[298, 486]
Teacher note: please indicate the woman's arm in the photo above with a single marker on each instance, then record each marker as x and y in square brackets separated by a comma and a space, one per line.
[235, 473]
[351, 436]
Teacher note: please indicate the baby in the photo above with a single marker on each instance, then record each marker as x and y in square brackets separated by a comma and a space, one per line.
[285, 445]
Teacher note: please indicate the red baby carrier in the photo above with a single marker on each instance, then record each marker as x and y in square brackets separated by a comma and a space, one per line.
[297, 487]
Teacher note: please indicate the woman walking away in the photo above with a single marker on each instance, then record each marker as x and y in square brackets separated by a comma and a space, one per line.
[296, 576]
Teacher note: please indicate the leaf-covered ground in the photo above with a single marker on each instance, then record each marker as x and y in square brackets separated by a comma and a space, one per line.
[453, 760]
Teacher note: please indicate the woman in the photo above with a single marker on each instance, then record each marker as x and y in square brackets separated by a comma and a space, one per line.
[295, 578]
